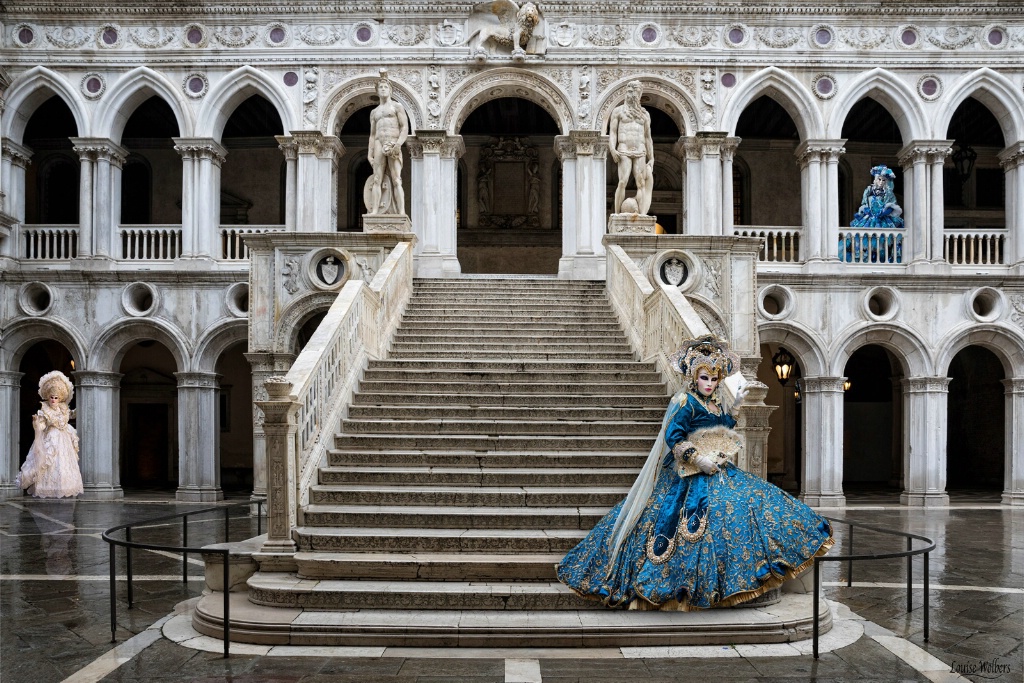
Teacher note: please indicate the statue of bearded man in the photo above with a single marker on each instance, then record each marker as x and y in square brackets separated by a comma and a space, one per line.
[632, 148]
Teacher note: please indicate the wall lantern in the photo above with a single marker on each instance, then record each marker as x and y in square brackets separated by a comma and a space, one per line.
[964, 157]
[846, 384]
[783, 362]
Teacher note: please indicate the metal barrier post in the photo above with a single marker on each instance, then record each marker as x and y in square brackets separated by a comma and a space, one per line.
[227, 523]
[227, 605]
[128, 552]
[814, 606]
[910, 576]
[184, 544]
[259, 517]
[113, 595]
[926, 597]
[849, 563]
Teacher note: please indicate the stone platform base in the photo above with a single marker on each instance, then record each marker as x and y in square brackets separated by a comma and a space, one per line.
[788, 620]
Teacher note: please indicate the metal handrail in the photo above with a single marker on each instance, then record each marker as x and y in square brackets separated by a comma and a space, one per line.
[184, 549]
[908, 553]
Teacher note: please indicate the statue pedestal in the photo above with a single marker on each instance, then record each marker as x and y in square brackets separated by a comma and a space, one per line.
[386, 222]
[631, 224]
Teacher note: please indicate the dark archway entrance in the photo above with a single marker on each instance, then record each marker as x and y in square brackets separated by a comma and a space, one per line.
[975, 435]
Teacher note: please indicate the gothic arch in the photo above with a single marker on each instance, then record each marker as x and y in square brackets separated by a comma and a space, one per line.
[506, 82]
[220, 335]
[23, 333]
[908, 348]
[31, 89]
[802, 343]
[1007, 345]
[657, 92]
[131, 90]
[891, 92]
[352, 96]
[234, 88]
[787, 91]
[292, 318]
[993, 90]
[106, 352]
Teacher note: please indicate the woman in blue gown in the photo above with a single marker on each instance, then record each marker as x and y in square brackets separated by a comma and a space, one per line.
[878, 207]
[696, 531]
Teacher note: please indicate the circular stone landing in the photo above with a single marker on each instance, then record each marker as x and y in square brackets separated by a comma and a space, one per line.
[789, 619]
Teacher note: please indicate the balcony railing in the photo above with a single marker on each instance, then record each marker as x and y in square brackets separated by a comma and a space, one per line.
[232, 242]
[974, 248]
[150, 242]
[870, 245]
[779, 245]
[49, 242]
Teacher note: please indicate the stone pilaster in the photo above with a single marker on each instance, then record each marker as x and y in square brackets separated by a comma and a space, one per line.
[688, 149]
[97, 409]
[1012, 161]
[937, 154]
[99, 213]
[924, 441]
[923, 198]
[711, 143]
[14, 159]
[291, 155]
[582, 153]
[315, 185]
[280, 410]
[198, 437]
[435, 162]
[729, 146]
[202, 159]
[1013, 479]
[264, 366]
[819, 175]
[823, 441]
[10, 449]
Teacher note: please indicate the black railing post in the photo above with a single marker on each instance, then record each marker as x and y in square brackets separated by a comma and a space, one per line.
[227, 605]
[259, 517]
[184, 544]
[849, 563]
[817, 591]
[910, 576]
[113, 594]
[128, 567]
[926, 597]
[227, 523]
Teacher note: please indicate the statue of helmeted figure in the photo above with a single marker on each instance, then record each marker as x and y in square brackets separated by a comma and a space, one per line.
[878, 207]
[631, 147]
[389, 128]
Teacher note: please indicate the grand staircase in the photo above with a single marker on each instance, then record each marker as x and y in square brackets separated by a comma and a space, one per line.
[510, 416]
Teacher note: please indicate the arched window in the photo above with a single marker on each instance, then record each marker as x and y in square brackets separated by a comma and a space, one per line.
[740, 192]
[58, 190]
[136, 191]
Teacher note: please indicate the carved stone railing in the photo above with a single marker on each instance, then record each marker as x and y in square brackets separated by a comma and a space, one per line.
[974, 247]
[150, 242]
[304, 407]
[232, 239]
[48, 242]
[779, 245]
[871, 245]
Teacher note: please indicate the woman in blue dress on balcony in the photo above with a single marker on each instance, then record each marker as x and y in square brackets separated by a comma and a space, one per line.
[878, 207]
[696, 531]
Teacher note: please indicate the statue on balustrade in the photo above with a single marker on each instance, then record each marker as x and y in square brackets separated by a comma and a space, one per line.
[51, 468]
[878, 207]
[631, 147]
[696, 531]
[389, 127]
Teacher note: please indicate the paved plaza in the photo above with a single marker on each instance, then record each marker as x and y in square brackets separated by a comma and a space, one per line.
[55, 625]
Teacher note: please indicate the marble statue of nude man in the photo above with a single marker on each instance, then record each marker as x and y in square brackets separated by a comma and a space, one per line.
[632, 148]
[389, 127]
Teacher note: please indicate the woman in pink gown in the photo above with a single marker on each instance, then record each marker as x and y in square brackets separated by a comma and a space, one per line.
[51, 468]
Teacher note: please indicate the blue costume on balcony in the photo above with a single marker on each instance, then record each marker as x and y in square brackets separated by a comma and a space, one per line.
[878, 207]
[696, 531]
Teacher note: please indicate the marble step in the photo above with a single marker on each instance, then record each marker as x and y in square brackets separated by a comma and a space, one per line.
[398, 397]
[288, 590]
[431, 327]
[501, 355]
[565, 428]
[508, 306]
[478, 476]
[311, 538]
[455, 517]
[487, 443]
[459, 389]
[428, 566]
[452, 457]
[416, 374]
[436, 412]
[541, 366]
[500, 347]
[499, 316]
[789, 620]
[388, 495]
[523, 296]
[472, 338]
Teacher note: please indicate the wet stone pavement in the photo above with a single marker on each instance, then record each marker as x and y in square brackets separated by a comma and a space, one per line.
[55, 618]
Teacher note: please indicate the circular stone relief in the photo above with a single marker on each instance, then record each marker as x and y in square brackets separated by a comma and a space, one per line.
[291, 78]
[648, 35]
[364, 34]
[908, 37]
[929, 87]
[196, 85]
[995, 37]
[985, 304]
[276, 35]
[109, 35]
[93, 85]
[328, 269]
[140, 299]
[775, 302]
[195, 35]
[674, 268]
[823, 36]
[736, 35]
[25, 35]
[824, 86]
[728, 80]
[35, 298]
[236, 298]
[880, 303]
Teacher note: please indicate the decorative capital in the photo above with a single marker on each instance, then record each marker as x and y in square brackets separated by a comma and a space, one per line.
[91, 378]
[1011, 157]
[278, 387]
[925, 385]
[19, 155]
[822, 385]
[710, 142]
[200, 148]
[197, 380]
[287, 145]
[309, 141]
[435, 142]
[820, 150]
[1014, 385]
[729, 146]
[580, 143]
[10, 378]
[920, 151]
[687, 148]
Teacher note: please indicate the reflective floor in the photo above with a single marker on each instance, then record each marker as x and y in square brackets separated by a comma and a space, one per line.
[55, 609]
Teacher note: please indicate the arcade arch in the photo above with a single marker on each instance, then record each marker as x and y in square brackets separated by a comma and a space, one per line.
[976, 421]
[251, 178]
[148, 451]
[51, 180]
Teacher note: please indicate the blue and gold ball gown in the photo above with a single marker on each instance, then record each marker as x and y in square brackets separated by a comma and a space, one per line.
[701, 540]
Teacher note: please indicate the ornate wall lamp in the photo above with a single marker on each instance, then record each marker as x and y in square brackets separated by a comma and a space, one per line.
[784, 364]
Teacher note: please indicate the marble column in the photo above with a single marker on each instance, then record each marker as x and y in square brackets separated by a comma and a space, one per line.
[823, 441]
[291, 155]
[107, 158]
[584, 216]
[280, 428]
[831, 151]
[14, 159]
[198, 437]
[688, 149]
[98, 412]
[10, 448]
[729, 147]
[924, 441]
[913, 159]
[1012, 161]
[937, 154]
[316, 181]
[1013, 486]
[202, 159]
[808, 156]
[86, 237]
[711, 180]
[264, 366]
[435, 163]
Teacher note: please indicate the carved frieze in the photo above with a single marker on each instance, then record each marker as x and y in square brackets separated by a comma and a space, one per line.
[779, 38]
[606, 35]
[153, 37]
[310, 77]
[448, 33]
[234, 36]
[864, 37]
[951, 38]
[1017, 316]
[693, 36]
[406, 35]
[320, 35]
[564, 34]
[708, 96]
[68, 37]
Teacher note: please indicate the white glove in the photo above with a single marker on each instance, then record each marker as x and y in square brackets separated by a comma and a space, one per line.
[738, 398]
[706, 464]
